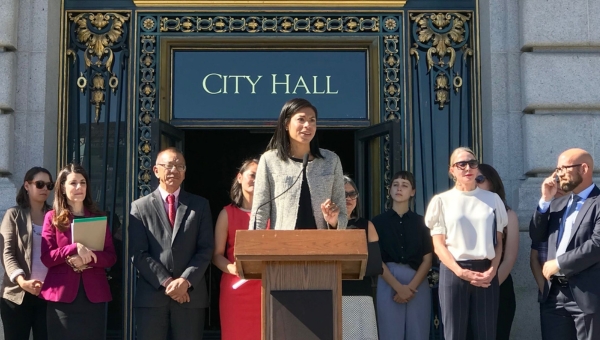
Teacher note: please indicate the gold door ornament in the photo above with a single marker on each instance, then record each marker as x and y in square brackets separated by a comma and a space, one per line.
[98, 34]
[441, 35]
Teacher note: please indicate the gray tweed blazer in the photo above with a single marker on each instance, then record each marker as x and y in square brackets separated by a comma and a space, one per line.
[273, 176]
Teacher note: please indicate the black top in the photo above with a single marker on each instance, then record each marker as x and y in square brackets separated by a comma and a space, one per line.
[403, 239]
[358, 287]
[306, 217]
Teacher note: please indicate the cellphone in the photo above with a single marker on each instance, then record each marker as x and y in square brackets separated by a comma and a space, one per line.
[556, 179]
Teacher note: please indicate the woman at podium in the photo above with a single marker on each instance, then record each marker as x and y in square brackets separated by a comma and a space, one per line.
[403, 293]
[298, 185]
[240, 300]
[358, 310]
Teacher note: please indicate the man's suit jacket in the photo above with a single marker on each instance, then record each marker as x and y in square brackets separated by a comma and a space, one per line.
[160, 252]
[581, 261]
[17, 232]
[62, 282]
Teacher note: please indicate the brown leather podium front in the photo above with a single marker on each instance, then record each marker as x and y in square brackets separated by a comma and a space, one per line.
[301, 272]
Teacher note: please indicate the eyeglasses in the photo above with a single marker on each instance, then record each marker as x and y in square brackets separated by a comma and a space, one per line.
[40, 184]
[462, 165]
[480, 179]
[565, 167]
[352, 195]
[171, 167]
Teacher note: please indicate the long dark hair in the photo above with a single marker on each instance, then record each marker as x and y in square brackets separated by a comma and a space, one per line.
[62, 211]
[493, 177]
[356, 212]
[236, 194]
[281, 138]
[22, 196]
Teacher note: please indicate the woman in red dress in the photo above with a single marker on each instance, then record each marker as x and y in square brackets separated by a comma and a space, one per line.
[239, 303]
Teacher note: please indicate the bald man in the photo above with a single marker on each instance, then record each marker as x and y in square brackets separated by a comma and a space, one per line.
[571, 226]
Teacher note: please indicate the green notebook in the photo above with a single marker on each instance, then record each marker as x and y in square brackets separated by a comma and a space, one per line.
[89, 231]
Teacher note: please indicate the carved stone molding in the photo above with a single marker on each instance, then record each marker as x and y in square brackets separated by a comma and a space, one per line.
[387, 4]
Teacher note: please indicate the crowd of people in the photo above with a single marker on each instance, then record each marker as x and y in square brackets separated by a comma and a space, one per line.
[58, 289]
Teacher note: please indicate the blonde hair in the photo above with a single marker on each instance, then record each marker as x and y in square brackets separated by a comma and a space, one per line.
[455, 154]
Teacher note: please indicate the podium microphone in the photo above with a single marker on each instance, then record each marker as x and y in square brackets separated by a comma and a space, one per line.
[304, 164]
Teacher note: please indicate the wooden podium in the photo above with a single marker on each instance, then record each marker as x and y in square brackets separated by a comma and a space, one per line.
[301, 272]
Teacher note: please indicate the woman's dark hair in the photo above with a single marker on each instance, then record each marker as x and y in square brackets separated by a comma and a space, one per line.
[22, 196]
[62, 211]
[281, 138]
[236, 194]
[407, 175]
[496, 184]
[356, 212]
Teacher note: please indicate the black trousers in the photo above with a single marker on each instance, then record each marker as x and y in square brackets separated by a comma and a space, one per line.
[562, 319]
[506, 309]
[157, 323]
[78, 320]
[464, 305]
[20, 320]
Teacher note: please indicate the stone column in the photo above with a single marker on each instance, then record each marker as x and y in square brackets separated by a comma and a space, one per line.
[9, 10]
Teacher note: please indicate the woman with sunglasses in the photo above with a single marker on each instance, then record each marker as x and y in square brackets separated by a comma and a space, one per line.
[358, 311]
[21, 310]
[403, 293]
[76, 286]
[466, 224]
[489, 179]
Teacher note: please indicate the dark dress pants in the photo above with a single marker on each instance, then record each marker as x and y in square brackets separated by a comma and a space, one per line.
[464, 305]
[562, 319]
[19, 320]
[157, 323]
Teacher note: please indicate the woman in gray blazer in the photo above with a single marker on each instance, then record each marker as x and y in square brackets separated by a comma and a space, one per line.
[291, 196]
[20, 308]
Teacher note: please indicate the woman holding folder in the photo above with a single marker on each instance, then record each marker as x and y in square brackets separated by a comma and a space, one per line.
[76, 286]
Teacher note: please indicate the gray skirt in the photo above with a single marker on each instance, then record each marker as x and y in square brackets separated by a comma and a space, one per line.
[358, 318]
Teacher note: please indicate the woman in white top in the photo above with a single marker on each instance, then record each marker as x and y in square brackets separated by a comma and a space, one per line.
[21, 309]
[466, 226]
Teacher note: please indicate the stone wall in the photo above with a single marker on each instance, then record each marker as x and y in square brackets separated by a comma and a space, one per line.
[540, 98]
[29, 45]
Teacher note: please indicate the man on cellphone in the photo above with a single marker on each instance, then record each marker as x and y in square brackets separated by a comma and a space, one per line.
[571, 226]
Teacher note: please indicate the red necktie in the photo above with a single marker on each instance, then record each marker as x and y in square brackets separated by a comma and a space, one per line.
[171, 212]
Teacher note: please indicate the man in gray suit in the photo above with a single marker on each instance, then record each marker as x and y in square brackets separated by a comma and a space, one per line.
[171, 242]
[571, 225]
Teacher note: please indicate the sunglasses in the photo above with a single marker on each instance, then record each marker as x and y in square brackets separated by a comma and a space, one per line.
[480, 179]
[351, 195]
[462, 165]
[40, 184]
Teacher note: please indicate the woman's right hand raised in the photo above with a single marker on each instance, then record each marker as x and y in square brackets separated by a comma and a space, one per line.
[86, 255]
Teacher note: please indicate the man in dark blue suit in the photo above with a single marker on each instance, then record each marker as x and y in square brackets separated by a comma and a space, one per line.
[571, 225]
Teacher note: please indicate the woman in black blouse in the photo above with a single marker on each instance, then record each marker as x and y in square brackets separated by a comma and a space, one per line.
[403, 293]
[358, 312]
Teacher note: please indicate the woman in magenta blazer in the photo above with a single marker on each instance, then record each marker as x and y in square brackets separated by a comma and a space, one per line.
[76, 286]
